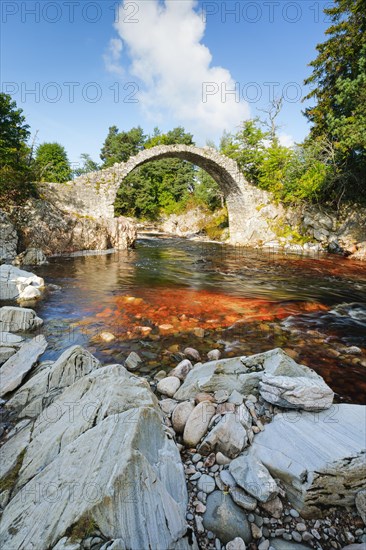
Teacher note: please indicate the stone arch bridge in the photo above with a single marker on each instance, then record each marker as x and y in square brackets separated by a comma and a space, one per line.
[249, 209]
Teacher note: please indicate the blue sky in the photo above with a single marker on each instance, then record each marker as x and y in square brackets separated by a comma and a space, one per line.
[78, 67]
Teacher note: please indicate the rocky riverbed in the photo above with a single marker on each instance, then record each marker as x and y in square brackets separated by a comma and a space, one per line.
[219, 453]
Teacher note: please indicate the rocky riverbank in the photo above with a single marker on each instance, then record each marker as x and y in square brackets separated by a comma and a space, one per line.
[224, 453]
[38, 229]
[303, 229]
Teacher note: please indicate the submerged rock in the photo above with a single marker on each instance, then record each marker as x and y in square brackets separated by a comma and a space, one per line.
[320, 459]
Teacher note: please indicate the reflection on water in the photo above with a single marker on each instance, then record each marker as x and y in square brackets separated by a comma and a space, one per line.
[159, 297]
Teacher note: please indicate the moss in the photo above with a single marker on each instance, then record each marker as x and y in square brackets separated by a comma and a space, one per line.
[215, 225]
[285, 231]
[83, 528]
[8, 482]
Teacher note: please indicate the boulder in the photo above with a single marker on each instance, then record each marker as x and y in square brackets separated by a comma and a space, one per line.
[15, 369]
[31, 256]
[7, 339]
[224, 518]
[126, 477]
[197, 423]
[168, 386]
[242, 499]
[18, 319]
[228, 437]
[46, 385]
[103, 392]
[242, 374]
[181, 414]
[253, 477]
[14, 281]
[321, 458]
[299, 392]
[9, 239]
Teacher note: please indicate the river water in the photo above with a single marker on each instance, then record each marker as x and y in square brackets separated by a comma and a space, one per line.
[166, 294]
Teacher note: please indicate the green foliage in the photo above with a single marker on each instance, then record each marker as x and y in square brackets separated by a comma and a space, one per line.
[15, 154]
[159, 186]
[339, 90]
[88, 165]
[52, 163]
[216, 225]
[120, 146]
[207, 191]
[85, 527]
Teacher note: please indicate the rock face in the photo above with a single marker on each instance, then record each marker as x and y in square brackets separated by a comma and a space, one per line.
[15, 369]
[14, 283]
[242, 374]
[31, 256]
[42, 225]
[138, 489]
[18, 319]
[320, 459]
[8, 240]
[45, 386]
[299, 392]
[224, 518]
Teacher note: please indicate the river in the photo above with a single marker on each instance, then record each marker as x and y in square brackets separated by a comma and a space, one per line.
[243, 301]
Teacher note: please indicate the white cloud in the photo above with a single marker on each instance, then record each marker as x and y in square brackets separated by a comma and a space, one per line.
[286, 140]
[175, 68]
[112, 57]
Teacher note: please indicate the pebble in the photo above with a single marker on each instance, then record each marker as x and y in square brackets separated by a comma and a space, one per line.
[301, 527]
[236, 398]
[214, 468]
[200, 508]
[222, 459]
[294, 513]
[263, 545]
[227, 478]
[192, 354]
[296, 536]
[221, 396]
[196, 458]
[256, 531]
[210, 460]
[287, 536]
[206, 484]
[199, 525]
[307, 536]
[315, 534]
[195, 476]
[236, 544]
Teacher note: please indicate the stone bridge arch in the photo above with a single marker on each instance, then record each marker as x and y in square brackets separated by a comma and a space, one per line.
[94, 194]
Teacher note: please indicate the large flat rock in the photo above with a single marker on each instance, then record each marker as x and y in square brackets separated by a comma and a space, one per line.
[17, 367]
[126, 475]
[320, 457]
[103, 392]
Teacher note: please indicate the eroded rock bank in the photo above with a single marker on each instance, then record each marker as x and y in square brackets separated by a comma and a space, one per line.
[245, 452]
[39, 228]
[303, 229]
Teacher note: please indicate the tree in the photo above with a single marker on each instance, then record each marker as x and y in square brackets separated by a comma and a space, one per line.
[159, 186]
[89, 165]
[52, 163]
[339, 91]
[15, 154]
[120, 146]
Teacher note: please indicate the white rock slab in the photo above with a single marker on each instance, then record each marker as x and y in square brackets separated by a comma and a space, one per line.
[15, 369]
[320, 457]
[16, 319]
[126, 475]
[45, 386]
[299, 392]
[14, 281]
